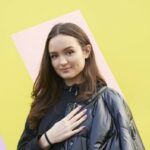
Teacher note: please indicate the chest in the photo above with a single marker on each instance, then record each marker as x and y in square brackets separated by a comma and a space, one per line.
[57, 112]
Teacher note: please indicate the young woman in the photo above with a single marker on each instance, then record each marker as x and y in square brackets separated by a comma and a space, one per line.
[73, 109]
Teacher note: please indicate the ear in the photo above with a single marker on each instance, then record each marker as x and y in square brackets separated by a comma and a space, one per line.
[87, 51]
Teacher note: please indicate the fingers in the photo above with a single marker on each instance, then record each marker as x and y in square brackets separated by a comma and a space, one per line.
[78, 122]
[76, 131]
[68, 126]
[77, 116]
[73, 112]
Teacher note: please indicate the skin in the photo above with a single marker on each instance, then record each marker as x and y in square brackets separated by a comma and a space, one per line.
[64, 128]
[68, 60]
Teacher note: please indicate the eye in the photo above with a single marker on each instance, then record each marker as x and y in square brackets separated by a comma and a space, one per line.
[53, 56]
[69, 52]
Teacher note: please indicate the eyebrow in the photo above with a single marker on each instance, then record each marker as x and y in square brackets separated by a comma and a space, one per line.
[54, 52]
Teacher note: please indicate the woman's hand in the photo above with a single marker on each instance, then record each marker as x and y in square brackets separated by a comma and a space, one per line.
[67, 127]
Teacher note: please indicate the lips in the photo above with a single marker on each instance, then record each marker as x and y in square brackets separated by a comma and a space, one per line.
[65, 69]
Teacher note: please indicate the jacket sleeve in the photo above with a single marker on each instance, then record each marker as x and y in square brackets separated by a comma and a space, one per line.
[101, 125]
[28, 140]
[128, 135]
[119, 130]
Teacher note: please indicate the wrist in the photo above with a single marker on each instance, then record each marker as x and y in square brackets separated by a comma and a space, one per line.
[43, 142]
[50, 137]
[47, 139]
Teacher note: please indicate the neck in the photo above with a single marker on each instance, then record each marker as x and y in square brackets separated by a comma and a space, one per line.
[72, 82]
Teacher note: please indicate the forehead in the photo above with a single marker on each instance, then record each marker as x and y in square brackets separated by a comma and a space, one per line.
[60, 42]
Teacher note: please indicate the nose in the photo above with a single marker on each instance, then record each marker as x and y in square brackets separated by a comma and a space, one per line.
[62, 61]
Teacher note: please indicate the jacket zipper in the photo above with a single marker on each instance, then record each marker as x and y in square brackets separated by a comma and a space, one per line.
[72, 106]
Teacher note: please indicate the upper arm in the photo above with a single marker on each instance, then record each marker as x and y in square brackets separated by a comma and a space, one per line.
[28, 139]
[101, 125]
[123, 119]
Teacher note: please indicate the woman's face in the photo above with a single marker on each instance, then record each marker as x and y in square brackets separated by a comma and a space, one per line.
[68, 58]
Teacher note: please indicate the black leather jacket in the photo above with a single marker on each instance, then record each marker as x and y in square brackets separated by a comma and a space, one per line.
[110, 125]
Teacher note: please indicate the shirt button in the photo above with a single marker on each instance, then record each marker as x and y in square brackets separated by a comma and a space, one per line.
[71, 143]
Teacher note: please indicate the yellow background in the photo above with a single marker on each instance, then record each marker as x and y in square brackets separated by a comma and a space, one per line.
[121, 29]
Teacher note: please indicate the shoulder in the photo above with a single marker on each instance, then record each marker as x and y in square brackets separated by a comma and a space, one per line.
[111, 96]
[113, 100]
[116, 104]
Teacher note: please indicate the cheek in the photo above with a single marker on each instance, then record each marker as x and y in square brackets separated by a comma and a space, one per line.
[54, 64]
[80, 64]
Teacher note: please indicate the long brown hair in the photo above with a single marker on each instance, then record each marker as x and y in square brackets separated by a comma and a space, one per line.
[46, 89]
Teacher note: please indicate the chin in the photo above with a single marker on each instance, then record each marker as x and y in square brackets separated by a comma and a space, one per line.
[68, 76]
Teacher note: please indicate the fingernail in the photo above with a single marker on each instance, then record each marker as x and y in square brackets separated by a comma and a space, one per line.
[85, 116]
[85, 110]
[83, 127]
[79, 106]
